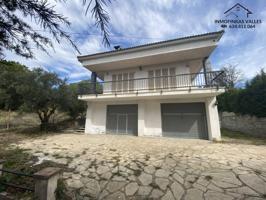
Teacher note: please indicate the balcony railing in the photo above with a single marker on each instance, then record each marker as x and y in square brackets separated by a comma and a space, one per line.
[162, 83]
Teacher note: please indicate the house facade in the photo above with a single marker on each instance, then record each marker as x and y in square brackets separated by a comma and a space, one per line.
[163, 89]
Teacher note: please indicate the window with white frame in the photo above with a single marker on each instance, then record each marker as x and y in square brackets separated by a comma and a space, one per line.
[123, 82]
[162, 78]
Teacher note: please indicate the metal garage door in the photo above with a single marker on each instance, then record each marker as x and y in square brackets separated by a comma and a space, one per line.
[186, 120]
[122, 119]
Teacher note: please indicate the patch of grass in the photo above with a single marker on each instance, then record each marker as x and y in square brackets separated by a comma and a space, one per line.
[229, 136]
[137, 172]
[170, 155]
[61, 191]
[58, 156]
[116, 158]
[20, 160]
[208, 178]
[118, 173]
[83, 152]
[257, 172]
[17, 160]
[147, 157]
[154, 185]
[112, 149]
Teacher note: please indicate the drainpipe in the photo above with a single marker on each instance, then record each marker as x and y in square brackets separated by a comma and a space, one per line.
[204, 70]
[93, 82]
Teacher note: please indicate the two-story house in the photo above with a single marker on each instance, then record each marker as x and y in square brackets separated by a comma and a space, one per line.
[157, 89]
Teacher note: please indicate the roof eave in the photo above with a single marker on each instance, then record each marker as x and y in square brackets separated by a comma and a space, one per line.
[217, 35]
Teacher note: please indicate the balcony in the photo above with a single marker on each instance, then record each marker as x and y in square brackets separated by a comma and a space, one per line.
[189, 82]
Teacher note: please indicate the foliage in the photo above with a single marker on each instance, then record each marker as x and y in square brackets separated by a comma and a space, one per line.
[228, 101]
[43, 92]
[18, 36]
[40, 92]
[251, 100]
[85, 87]
[74, 107]
[11, 74]
[61, 190]
[18, 160]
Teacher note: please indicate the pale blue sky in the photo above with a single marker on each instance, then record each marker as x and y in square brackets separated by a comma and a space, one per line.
[135, 22]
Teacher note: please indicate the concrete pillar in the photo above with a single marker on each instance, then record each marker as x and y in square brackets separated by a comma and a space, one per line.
[1, 166]
[153, 121]
[213, 119]
[141, 118]
[93, 82]
[88, 122]
[46, 183]
[205, 70]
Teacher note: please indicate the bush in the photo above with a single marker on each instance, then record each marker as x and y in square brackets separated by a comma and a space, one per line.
[251, 100]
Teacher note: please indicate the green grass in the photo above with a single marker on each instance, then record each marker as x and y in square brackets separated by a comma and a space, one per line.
[229, 136]
[20, 160]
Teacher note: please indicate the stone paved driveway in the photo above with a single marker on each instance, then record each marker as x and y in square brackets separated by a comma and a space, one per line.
[125, 167]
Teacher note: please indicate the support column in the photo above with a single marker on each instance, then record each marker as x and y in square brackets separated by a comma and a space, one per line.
[88, 122]
[205, 70]
[93, 82]
[141, 118]
[213, 119]
[46, 183]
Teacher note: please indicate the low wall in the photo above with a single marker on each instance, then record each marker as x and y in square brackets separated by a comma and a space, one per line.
[243, 123]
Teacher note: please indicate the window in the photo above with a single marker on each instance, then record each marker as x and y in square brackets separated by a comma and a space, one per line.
[151, 79]
[172, 78]
[165, 77]
[162, 78]
[123, 82]
[114, 82]
[131, 81]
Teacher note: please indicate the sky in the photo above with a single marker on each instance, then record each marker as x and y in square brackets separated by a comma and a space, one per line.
[135, 22]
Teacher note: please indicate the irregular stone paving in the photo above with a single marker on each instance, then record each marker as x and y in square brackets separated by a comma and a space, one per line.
[125, 167]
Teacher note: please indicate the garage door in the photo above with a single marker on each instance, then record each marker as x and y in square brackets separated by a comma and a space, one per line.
[185, 120]
[122, 119]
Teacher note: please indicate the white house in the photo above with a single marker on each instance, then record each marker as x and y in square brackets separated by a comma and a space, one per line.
[158, 89]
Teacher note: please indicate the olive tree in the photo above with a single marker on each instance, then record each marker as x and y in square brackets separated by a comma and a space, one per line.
[43, 93]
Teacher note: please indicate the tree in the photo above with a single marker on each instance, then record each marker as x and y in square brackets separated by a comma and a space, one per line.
[18, 36]
[232, 76]
[43, 93]
[228, 101]
[11, 75]
[74, 107]
[252, 100]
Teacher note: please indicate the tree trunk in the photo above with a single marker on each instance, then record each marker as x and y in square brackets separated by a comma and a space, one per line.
[44, 124]
[8, 119]
[45, 116]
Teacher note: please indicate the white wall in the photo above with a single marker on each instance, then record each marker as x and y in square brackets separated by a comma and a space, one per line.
[149, 116]
[152, 116]
[95, 118]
